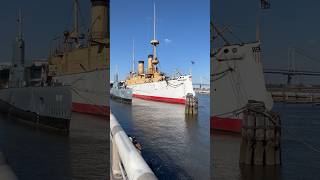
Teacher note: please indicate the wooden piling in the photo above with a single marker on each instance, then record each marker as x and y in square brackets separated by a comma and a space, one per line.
[191, 106]
[261, 136]
[278, 141]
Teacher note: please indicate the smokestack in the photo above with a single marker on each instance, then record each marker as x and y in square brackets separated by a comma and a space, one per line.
[141, 67]
[99, 19]
[150, 65]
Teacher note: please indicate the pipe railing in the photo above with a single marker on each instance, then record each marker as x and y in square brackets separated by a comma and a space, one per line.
[127, 162]
[5, 170]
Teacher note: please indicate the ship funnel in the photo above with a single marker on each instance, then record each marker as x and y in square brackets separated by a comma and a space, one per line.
[141, 67]
[99, 20]
[150, 65]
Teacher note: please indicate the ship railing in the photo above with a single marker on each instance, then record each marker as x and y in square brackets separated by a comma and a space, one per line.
[127, 162]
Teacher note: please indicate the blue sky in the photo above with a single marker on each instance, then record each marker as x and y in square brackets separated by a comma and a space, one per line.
[182, 29]
[43, 20]
[288, 23]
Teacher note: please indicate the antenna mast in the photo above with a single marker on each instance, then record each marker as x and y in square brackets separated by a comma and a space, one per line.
[154, 42]
[133, 55]
[19, 42]
[19, 21]
[154, 21]
[76, 18]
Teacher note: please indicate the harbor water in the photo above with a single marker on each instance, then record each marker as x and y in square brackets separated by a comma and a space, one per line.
[300, 153]
[37, 153]
[174, 146]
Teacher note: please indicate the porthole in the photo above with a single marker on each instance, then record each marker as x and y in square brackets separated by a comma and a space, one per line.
[234, 50]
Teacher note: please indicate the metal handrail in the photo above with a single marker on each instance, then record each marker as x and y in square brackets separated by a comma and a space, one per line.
[125, 154]
[6, 171]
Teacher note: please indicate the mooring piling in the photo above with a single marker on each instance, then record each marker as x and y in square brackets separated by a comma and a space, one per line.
[261, 136]
[191, 107]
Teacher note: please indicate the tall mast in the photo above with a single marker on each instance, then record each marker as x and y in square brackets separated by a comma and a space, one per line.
[20, 53]
[19, 21]
[116, 75]
[154, 21]
[154, 42]
[76, 17]
[133, 55]
[258, 33]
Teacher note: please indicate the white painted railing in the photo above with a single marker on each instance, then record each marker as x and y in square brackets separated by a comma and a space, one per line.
[6, 172]
[127, 162]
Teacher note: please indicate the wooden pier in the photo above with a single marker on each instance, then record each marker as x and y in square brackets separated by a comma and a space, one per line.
[296, 94]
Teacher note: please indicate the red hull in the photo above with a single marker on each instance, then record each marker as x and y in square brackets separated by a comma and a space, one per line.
[162, 99]
[90, 109]
[226, 124]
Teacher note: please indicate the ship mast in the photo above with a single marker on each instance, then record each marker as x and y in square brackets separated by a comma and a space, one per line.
[116, 75]
[75, 31]
[76, 16]
[19, 21]
[19, 41]
[133, 55]
[154, 42]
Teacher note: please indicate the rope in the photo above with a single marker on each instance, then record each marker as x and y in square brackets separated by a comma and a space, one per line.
[234, 112]
[223, 73]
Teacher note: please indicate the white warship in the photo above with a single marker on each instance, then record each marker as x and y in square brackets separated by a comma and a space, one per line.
[155, 85]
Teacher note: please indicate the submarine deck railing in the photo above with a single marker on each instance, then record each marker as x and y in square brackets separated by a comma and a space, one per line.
[127, 162]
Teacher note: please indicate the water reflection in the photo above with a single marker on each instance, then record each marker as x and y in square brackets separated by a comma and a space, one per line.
[259, 172]
[37, 153]
[176, 146]
[299, 154]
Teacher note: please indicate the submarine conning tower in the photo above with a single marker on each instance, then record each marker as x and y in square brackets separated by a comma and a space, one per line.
[99, 19]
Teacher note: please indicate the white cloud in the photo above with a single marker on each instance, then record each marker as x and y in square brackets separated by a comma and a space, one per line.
[167, 41]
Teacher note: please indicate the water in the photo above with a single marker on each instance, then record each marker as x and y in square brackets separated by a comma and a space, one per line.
[43, 154]
[300, 148]
[174, 146]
